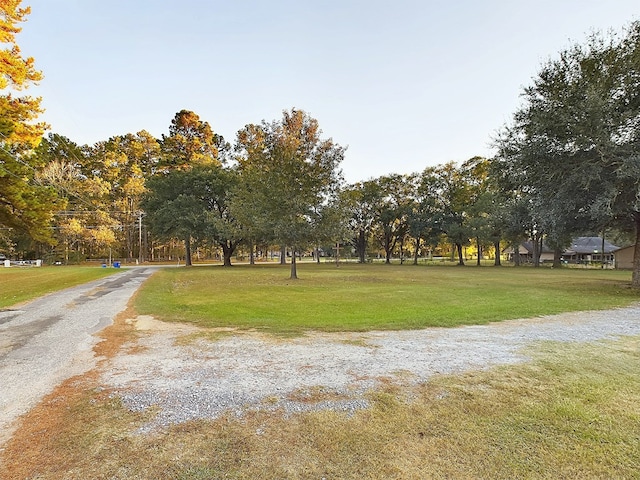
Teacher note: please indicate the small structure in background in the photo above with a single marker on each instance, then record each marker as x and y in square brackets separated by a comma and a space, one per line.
[22, 263]
[624, 257]
[525, 251]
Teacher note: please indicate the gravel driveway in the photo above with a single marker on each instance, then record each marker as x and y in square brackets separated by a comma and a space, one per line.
[46, 341]
[204, 378]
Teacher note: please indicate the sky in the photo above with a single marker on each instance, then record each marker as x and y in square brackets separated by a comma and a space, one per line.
[402, 84]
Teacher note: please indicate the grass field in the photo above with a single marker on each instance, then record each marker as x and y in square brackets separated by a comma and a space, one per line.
[21, 284]
[363, 297]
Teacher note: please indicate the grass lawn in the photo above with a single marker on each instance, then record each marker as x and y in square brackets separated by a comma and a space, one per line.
[21, 284]
[364, 297]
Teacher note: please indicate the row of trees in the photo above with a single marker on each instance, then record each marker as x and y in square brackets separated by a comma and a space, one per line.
[568, 163]
[279, 184]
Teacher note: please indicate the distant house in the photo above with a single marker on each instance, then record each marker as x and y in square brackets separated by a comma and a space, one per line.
[581, 250]
[624, 257]
[525, 251]
[589, 249]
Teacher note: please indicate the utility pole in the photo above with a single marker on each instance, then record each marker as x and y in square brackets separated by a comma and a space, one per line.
[602, 265]
[140, 254]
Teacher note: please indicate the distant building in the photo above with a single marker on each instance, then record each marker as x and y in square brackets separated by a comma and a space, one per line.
[581, 250]
[589, 249]
[525, 251]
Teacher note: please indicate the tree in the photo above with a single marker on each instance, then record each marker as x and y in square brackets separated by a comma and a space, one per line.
[125, 162]
[63, 160]
[360, 202]
[17, 72]
[25, 206]
[449, 186]
[577, 135]
[214, 189]
[392, 212]
[425, 218]
[191, 142]
[479, 199]
[193, 205]
[288, 173]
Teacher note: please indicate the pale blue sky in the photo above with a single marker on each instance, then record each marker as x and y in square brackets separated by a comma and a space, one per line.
[404, 84]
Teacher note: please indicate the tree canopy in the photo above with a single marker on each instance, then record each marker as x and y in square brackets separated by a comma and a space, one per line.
[574, 145]
[25, 206]
[288, 175]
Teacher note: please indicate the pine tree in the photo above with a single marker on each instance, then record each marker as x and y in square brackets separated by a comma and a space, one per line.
[26, 207]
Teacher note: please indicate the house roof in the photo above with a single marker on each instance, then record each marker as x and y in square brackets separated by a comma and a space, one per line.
[585, 245]
[529, 247]
[579, 246]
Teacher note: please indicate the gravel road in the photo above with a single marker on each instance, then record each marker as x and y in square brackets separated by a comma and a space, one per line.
[203, 378]
[46, 341]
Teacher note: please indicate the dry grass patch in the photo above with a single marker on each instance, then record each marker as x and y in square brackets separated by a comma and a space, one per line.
[316, 394]
[573, 412]
[208, 335]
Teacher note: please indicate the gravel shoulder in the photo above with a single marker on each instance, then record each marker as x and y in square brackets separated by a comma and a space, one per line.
[184, 374]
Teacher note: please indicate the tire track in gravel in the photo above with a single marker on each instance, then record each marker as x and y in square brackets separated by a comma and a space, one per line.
[203, 378]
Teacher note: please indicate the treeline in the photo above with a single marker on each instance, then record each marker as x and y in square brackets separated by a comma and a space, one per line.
[135, 197]
[567, 164]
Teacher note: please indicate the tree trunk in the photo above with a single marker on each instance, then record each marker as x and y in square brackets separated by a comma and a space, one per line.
[389, 245]
[294, 269]
[227, 252]
[537, 250]
[516, 254]
[387, 256]
[361, 246]
[187, 251]
[496, 246]
[479, 248]
[283, 255]
[460, 258]
[252, 257]
[635, 276]
[557, 258]
[415, 255]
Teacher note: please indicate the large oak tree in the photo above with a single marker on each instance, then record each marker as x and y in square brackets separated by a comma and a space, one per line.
[574, 145]
[194, 204]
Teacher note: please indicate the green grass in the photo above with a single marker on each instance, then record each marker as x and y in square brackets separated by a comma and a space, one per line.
[364, 297]
[21, 284]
